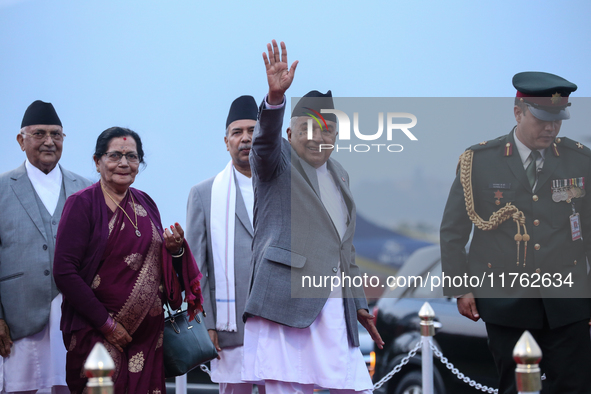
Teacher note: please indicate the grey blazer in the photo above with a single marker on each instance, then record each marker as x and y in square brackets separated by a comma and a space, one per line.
[294, 235]
[198, 236]
[25, 262]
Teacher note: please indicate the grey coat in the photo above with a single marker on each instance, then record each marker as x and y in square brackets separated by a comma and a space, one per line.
[294, 235]
[25, 263]
[198, 236]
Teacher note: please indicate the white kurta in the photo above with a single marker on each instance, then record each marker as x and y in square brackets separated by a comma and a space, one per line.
[38, 361]
[229, 367]
[320, 354]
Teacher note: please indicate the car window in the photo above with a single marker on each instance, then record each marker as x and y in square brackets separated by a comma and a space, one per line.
[428, 290]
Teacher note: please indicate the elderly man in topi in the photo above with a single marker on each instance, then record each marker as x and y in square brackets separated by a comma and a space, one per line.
[523, 197]
[32, 197]
[219, 232]
[296, 338]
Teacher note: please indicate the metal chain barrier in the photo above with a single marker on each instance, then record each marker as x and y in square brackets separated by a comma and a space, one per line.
[460, 375]
[204, 368]
[397, 368]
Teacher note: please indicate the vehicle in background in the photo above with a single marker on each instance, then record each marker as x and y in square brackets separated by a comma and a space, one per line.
[461, 340]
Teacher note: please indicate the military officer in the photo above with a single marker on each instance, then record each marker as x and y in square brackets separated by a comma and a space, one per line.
[524, 196]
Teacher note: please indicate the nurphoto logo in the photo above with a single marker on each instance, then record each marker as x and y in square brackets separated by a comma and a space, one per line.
[344, 133]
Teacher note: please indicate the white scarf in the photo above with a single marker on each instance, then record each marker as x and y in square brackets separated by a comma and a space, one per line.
[223, 219]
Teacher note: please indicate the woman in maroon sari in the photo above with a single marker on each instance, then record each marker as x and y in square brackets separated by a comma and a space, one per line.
[114, 265]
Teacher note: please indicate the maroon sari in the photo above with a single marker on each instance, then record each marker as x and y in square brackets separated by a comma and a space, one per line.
[128, 283]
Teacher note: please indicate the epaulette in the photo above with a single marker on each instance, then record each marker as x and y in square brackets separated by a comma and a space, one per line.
[565, 142]
[487, 144]
[494, 143]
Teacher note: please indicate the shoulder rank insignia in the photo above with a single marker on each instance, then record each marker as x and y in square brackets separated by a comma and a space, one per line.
[508, 151]
[567, 143]
[483, 143]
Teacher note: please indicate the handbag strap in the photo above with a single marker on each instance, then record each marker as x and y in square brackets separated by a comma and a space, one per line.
[171, 314]
[169, 310]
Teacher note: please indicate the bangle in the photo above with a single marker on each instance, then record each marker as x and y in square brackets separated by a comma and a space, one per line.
[109, 327]
[180, 254]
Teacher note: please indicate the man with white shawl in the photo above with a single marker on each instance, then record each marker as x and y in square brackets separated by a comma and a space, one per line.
[219, 232]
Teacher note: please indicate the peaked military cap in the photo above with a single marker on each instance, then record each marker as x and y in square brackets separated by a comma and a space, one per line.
[545, 94]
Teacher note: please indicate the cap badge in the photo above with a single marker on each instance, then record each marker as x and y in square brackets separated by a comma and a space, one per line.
[556, 98]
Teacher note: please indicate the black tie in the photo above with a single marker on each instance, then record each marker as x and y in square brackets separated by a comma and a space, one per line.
[530, 171]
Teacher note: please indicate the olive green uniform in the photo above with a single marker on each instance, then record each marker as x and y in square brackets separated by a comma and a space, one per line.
[498, 177]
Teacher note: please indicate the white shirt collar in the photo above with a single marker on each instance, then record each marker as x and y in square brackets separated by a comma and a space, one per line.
[523, 150]
[47, 186]
[54, 175]
[323, 169]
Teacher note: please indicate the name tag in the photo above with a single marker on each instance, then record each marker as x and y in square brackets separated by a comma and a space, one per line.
[499, 186]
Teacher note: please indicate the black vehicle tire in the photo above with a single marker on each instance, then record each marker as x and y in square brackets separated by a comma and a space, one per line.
[412, 383]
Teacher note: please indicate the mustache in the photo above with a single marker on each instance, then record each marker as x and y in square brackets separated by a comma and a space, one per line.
[244, 147]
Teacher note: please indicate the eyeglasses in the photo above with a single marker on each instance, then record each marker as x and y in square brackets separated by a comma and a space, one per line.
[116, 157]
[42, 136]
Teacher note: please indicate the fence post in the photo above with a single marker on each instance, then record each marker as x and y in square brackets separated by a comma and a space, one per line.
[99, 368]
[427, 315]
[527, 354]
[180, 384]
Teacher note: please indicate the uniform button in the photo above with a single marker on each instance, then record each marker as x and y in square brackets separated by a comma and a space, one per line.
[535, 197]
[537, 246]
[44, 247]
[46, 272]
[489, 265]
[536, 222]
[575, 262]
[558, 140]
[538, 270]
[335, 269]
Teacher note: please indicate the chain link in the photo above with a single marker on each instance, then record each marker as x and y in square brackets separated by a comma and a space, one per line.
[460, 375]
[204, 368]
[405, 361]
[397, 368]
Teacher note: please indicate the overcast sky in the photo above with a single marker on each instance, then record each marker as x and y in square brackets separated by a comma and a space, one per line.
[170, 69]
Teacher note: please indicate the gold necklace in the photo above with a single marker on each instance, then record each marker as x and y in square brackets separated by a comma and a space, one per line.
[137, 232]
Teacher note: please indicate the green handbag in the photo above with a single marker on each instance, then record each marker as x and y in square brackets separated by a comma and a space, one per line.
[186, 345]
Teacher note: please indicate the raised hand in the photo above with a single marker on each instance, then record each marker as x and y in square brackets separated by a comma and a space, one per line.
[279, 77]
